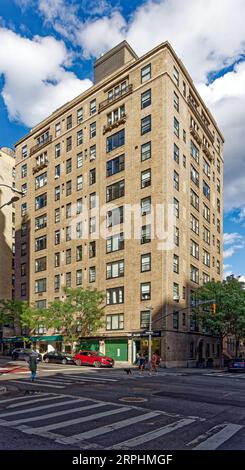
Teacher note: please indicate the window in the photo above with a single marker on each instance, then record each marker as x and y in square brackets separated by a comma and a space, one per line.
[92, 130]
[80, 137]
[145, 318]
[57, 150]
[68, 188]
[41, 201]
[206, 212]
[57, 193]
[40, 264]
[146, 73]
[92, 274]
[115, 216]
[194, 249]
[23, 209]
[145, 178]
[145, 234]
[92, 249]
[145, 262]
[92, 151]
[176, 264]
[115, 165]
[206, 235]
[184, 293]
[23, 269]
[80, 116]
[176, 76]
[24, 171]
[24, 152]
[145, 291]
[57, 215]
[176, 101]
[218, 205]
[79, 229]
[194, 224]
[194, 152]
[79, 253]
[41, 222]
[116, 115]
[116, 140]
[146, 205]
[23, 249]
[79, 206]
[205, 278]
[115, 243]
[23, 230]
[218, 185]
[176, 292]
[40, 304]
[79, 182]
[92, 176]
[115, 191]
[69, 122]
[145, 125]
[115, 322]
[68, 256]
[68, 144]
[57, 282]
[184, 135]
[79, 277]
[57, 129]
[206, 190]
[218, 267]
[176, 153]
[92, 201]
[176, 236]
[194, 274]
[184, 88]
[115, 295]
[176, 207]
[176, 127]
[68, 233]
[218, 246]
[24, 189]
[206, 258]
[115, 269]
[68, 279]
[92, 107]
[80, 160]
[184, 161]
[41, 180]
[145, 151]
[57, 237]
[41, 330]
[57, 172]
[194, 200]
[42, 159]
[40, 285]
[68, 211]
[175, 320]
[68, 166]
[206, 168]
[176, 180]
[145, 99]
[218, 225]
[92, 225]
[218, 165]
[194, 176]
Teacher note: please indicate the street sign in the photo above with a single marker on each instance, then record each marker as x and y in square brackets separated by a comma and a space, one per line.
[152, 333]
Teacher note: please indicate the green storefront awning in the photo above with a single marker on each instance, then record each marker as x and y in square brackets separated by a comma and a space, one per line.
[46, 338]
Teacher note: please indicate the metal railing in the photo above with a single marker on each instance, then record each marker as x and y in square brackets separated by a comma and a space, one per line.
[116, 97]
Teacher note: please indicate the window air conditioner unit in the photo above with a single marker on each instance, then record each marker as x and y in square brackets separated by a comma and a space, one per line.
[176, 297]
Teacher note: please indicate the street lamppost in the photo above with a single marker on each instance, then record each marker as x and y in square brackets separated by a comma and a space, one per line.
[150, 333]
[14, 198]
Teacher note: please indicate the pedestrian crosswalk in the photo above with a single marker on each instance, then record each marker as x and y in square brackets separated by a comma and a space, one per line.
[97, 424]
[62, 381]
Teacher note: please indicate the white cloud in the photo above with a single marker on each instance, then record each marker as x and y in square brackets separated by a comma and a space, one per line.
[35, 80]
[230, 238]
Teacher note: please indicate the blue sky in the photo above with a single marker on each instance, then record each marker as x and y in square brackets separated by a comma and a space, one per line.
[51, 46]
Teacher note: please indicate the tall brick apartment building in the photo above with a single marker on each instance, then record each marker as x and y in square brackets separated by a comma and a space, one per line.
[140, 137]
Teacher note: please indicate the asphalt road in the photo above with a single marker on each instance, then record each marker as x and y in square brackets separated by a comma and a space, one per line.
[84, 408]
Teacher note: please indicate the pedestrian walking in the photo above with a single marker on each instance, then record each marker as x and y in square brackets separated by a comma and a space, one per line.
[33, 364]
[141, 363]
[153, 367]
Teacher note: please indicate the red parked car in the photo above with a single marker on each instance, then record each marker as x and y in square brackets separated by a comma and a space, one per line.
[93, 358]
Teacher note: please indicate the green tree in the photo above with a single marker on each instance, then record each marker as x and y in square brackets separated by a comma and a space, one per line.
[19, 313]
[79, 314]
[229, 318]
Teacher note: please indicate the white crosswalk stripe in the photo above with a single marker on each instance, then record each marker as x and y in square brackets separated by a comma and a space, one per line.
[84, 422]
[63, 381]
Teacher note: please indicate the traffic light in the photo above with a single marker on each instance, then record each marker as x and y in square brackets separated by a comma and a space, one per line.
[213, 308]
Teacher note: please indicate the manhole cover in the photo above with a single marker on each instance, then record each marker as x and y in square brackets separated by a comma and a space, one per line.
[133, 399]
